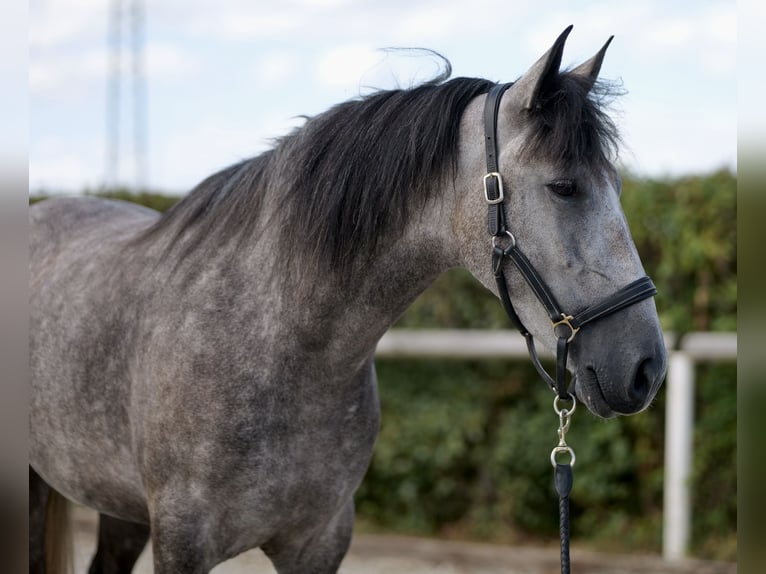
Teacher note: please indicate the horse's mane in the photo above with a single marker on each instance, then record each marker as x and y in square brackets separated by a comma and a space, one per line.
[360, 169]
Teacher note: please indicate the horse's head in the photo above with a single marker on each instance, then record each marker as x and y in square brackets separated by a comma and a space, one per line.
[562, 204]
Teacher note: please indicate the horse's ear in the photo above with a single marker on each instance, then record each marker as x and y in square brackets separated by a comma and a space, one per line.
[592, 67]
[542, 74]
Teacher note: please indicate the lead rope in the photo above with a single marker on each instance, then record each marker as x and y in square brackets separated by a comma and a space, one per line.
[563, 478]
[562, 472]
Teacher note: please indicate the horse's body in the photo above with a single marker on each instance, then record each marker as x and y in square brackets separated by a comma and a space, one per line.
[279, 427]
[210, 373]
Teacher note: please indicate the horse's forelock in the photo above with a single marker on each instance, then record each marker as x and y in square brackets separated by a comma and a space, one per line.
[571, 126]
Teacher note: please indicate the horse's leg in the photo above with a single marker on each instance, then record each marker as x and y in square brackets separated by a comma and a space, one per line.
[179, 539]
[318, 551]
[50, 548]
[38, 501]
[119, 545]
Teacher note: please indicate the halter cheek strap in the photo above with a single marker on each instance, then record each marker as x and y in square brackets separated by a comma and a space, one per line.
[565, 326]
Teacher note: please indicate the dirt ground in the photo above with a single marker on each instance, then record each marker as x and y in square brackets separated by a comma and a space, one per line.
[405, 555]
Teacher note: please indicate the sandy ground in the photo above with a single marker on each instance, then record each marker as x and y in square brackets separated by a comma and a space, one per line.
[405, 555]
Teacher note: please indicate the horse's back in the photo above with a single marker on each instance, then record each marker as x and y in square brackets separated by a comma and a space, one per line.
[55, 223]
[80, 346]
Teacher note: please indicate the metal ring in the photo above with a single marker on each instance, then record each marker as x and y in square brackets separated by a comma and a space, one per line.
[566, 320]
[565, 449]
[509, 234]
[566, 412]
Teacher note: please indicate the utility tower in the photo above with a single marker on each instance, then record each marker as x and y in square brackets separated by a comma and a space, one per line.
[126, 95]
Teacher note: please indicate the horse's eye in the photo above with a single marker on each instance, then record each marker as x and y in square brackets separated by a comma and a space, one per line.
[564, 187]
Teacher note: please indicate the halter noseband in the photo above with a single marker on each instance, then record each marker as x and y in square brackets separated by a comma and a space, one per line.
[565, 326]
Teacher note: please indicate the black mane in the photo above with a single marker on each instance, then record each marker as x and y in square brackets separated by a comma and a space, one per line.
[361, 169]
[366, 165]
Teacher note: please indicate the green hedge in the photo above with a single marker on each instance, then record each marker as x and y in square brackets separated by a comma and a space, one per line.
[463, 448]
[463, 451]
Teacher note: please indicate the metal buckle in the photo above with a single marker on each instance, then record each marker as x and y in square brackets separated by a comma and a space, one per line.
[566, 320]
[499, 187]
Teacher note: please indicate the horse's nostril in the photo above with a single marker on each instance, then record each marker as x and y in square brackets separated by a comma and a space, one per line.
[643, 384]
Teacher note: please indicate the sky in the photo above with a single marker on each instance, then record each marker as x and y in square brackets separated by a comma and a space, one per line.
[225, 78]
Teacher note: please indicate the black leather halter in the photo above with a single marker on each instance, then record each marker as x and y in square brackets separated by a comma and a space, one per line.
[565, 326]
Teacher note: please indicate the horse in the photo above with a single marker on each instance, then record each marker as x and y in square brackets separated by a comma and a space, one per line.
[204, 378]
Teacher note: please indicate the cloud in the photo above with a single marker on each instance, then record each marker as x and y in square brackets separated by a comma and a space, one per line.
[428, 23]
[71, 74]
[705, 37]
[322, 3]
[674, 141]
[187, 156]
[59, 163]
[65, 75]
[671, 34]
[247, 21]
[699, 32]
[58, 22]
[166, 61]
[710, 35]
[274, 69]
[254, 25]
[344, 66]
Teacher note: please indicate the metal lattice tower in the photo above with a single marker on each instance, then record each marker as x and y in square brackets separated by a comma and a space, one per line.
[130, 13]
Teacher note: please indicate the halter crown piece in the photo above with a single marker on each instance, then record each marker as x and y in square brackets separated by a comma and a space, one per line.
[565, 326]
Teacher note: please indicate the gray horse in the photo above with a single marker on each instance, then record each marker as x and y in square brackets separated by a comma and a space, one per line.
[205, 378]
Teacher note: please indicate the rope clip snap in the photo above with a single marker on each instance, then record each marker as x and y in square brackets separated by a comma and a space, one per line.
[565, 420]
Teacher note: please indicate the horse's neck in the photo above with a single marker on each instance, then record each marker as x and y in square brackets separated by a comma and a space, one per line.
[287, 308]
[350, 316]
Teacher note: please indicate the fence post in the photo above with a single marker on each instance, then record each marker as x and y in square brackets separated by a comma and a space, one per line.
[679, 421]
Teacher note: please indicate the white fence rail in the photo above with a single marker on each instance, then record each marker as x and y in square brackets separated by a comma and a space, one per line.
[679, 409]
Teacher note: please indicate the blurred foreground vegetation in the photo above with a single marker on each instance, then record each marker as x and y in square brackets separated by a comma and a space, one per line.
[464, 445]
